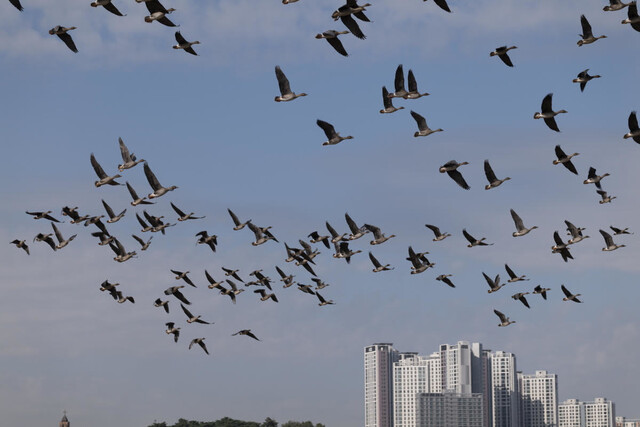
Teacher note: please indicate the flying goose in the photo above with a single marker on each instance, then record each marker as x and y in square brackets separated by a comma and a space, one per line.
[342, 251]
[106, 286]
[20, 244]
[307, 289]
[444, 278]
[182, 216]
[356, 232]
[634, 130]
[331, 36]
[542, 291]
[398, 83]
[442, 4]
[137, 200]
[105, 239]
[61, 240]
[285, 90]
[265, 296]
[104, 178]
[388, 103]
[212, 282]
[232, 273]
[569, 296]
[293, 253]
[108, 5]
[175, 291]
[513, 277]
[158, 13]
[520, 296]
[561, 247]
[504, 320]
[575, 233]
[191, 318]
[42, 237]
[378, 267]
[351, 7]
[184, 44]
[205, 239]
[128, 160]
[438, 235]
[200, 342]
[261, 279]
[548, 114]
[494, 284]
[565, 159]
[308, 251]
[608, 241]
[335, 237]
[288, 280]
[238, 225]
[261, 234]
[158, 190]
[246, 332]
[164, 304]
[378, 236]
[491, 177]
[587, 34]
[112, 215]
[632, 16]
[592, 178]
[451, 168]
[17, 4]
[615, 5]
[317, 238]
[473, 241]
[423, 128]
[333, 137]
[521, 230]
[61, 32]
[413, 92]
[583, 78]
[618, 231]
[121, 253]
[182, 275]
[606, 198]
[145, 227]
[323, 301]
[419, 262]
[171, 329]
[344, 14]
[42, 215]
[74, 215]
[156, 222]
[501, 52]
[144, 245]
[120, 298]
[319, 283]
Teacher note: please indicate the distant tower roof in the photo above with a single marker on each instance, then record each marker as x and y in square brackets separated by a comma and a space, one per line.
[64, 422]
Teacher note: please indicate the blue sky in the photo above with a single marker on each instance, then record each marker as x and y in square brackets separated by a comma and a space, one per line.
[208, 124]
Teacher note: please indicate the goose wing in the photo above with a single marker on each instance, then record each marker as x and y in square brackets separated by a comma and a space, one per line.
[154, 6]
[113, 9]
[234, 217]
[505, 58]
[490, 282]
[551, 123]
[458, 178]
[510, 272]
[398, 82]
[166, 21]
[517, 220]
[97, 168]
[151, 178]
[139, 240]
[632, 14]
[66, 38]
[557, 239]
[337, 45]
[412, 84]
[608, 240]
[181, 297]
[421, 121]
[435, 229]
[124, 151]
[178, 211]
[386, 101]
[57, 232]
[375, 262]
[586, 28]
[468, 236]
[502, 317]
[180, 39]
[524, 301]
[488, 172]
[568, 164]
[322, 300]
[17, 4]
[283, 82]
[351, 223]
[566, 291]
[546, 104]
[448, 282]
[443, 5]
[352, 25]
[141, 221]
[187, 312]
[633, 122]
[377, 232]
[256, 230]
[108, 209]
[328, 129]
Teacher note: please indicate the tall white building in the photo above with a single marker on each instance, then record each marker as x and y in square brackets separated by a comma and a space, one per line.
[574, 413]
[450, 409]
[378, 387]
[411, 376]
[504, 392]
[571, 413]
[625, 422]
[539, 399]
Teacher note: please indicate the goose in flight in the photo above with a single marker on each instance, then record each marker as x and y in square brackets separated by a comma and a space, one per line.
[237, 224]
[62, 33]
[494, 285]
[504, 320]
[175, 291]
[575, 233]
[444, 278]
[608, 241]
[565, 159]
[323, 301]
[265, 296]
[583, 78]
[388, 103]
[378, 236]
[542, 291]
[342, 251]
[212, 282]
[561, 247]
[378, 267]
[592, 178]
[285, 90]
[184, 44]
[232, 273]
[521, 230]
[436, 231]
[473, 241]
[617, 231]
[568, 295]
[158, 190]
[451, 168]
[191, 318]
[183, 216]
[423, 128]
[61, 240]
[120, 298]
[182, 275]
[356, 232]
[21, 244]
[501, 52]
[112, 215]
[42, 215]
[491, 177]
[136, 199]
[156, 222]
[606, 198]
[42, 237]
[548, 114]
[200, 342]
[520, 296]
[632, 16]
[144, 245]
[317, 238]
[105, 239]
[287, 280]
[106, 286]
[158, 13]
[246, 332]
[262, 235]
[261, 279]
[108, 5]
[171, 329]
[205, 239]
[128, 160]
[331, 36]
[231, 292]
[333, 137]
[398, 82]
[104, 179]
[344, 14]
[74, 215]
[615, 5]
[164, 304]
[121, 253]
[413, 92]
[587, 33]
[145, 227]
[419, 263]
[16, 4]
[634, 130]
[513, 277]
[319, 283]
[351, 7]
[442, 4]
[335, 237]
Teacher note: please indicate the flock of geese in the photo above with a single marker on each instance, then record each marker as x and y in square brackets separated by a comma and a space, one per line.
[232, 285]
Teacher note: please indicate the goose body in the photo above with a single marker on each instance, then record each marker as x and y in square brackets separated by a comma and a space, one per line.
[451, 168]
[62, 33]
[331, 36]
[521, 230]
[504, 320]
[388, 103]
[185, 45]
[565, 159]
[569, 296]
[501, 52]
[615, 5]
[587, 33]
[423, 128]
[285, 90]
[632, 16]
[108, 5]
[608, 241]
[634, 130]
[333, 137]
[158, 190]
[104, 179]
[592, 178]
[438, 234]
[583, 78]
[548, 114]
[491, 177]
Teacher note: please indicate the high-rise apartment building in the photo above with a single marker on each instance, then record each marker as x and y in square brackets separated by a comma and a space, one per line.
[504, 392]
[450, 409]
[378, 387]
[574, 413]
[625, 422]
[539, 399]
[411, 376]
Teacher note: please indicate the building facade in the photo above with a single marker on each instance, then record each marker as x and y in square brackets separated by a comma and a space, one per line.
[539, 399]
[574, 413]
[504, 391]
[378, 387]
[450, 409]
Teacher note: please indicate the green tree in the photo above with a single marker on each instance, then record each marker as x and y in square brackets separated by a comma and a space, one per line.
[268, 422]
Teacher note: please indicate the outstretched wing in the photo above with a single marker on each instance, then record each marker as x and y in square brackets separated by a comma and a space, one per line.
[337, 45]
[586, 27]
[328, 128]
[488, 172]
[283, 82]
